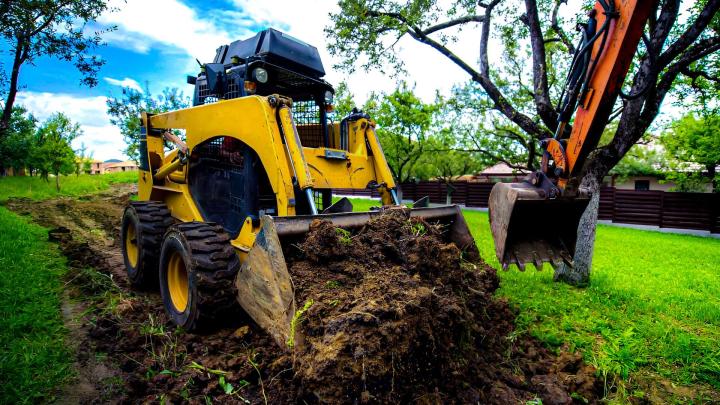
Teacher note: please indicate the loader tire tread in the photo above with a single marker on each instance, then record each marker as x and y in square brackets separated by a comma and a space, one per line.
[153, 219]
[213, 266]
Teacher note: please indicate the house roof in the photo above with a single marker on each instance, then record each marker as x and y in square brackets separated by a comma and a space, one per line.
[127, 163]
[502, 169]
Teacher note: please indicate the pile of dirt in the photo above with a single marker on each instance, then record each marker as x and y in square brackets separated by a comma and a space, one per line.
[393, 314]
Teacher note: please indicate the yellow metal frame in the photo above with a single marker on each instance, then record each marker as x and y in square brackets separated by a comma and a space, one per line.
[255, 121]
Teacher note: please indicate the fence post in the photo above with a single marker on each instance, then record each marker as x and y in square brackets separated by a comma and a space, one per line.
[661, 217]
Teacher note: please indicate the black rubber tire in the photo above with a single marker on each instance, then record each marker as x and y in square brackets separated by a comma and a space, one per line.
[151, 220]
[211, 265]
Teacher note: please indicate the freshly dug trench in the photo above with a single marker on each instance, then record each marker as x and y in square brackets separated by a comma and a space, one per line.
[393, 314]
[396, 316]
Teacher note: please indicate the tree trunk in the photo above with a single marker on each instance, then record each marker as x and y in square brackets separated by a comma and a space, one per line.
[579, 273]
[57, 182]
[12, 90]
[398, 191]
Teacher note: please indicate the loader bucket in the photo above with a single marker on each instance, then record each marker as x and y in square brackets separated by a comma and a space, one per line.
[264, 285]
[528, 227]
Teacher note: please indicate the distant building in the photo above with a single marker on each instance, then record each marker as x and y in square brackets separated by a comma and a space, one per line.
[96, 167]
[499, 172]
[125, 166]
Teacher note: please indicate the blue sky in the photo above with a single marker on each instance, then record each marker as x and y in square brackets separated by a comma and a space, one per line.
[157, 41]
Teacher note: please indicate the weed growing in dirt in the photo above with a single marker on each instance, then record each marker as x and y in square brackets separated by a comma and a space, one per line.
[163, 347]
[38, 189]
[296, 320]
[418, 228]
[227, 387]
[34, 359]
[344, 235]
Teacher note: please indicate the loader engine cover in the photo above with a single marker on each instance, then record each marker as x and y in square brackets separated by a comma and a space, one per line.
[275, 47]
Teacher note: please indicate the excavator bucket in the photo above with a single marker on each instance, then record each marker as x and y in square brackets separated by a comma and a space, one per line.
[264, 285]
[528, 227]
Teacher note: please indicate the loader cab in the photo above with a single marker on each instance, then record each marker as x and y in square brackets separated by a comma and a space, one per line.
[272, 62]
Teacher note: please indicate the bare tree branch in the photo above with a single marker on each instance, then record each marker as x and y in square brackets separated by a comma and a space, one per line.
[540, 78]
[696, 74]
[452, 23]
[691, 34]
[558, 29]
[501, 102]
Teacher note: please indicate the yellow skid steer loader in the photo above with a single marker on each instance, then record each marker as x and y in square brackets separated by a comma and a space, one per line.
[260, 157]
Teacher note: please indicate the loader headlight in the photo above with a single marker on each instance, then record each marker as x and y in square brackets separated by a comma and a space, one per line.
[328, 97]
[261, 75]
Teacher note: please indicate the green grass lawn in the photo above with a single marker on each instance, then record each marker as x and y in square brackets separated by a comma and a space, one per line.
[34, 358]
[652, 308]
[38, 189]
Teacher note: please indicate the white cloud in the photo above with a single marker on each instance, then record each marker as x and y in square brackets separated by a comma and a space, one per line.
[170, 26]
[167, 25]
[426, 68]
[101, 138]
[126, 82]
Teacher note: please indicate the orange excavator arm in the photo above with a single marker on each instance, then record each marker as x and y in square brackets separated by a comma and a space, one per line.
[536, 221]
[612, 59]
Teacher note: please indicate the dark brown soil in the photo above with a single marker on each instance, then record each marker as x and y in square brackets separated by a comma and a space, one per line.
[396, 316]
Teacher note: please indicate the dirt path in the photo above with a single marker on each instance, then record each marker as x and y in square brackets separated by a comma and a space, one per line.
[406, 322]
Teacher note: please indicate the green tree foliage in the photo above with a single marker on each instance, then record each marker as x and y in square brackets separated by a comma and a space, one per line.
[696, 139]
[125, 112]
[404, 123]
[520, 93]
[443, 160]
[18, 141]
[479, 130]
[344, 102]
[51, 152]
[54, 28]
[641, 161]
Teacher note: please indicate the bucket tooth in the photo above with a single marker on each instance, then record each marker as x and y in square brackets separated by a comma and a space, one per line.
[537, 261]
[505, 266]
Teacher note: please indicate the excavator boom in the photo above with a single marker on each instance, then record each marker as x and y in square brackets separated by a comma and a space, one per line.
[536, 221]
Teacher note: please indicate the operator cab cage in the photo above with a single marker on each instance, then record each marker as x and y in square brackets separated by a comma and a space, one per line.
[271, 62]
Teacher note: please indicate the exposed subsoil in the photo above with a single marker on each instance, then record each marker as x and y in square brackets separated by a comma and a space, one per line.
[393, 315]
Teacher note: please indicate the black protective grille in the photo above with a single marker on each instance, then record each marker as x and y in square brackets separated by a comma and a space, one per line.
[228, 183]
[306, 112]
[306, 115]
[234, 87]
[234, 90]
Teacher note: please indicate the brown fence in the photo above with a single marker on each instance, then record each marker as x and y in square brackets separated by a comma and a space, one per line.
[657, 208]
